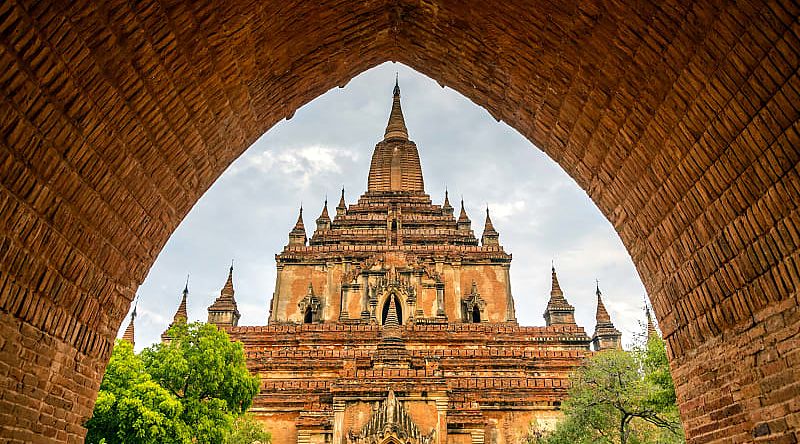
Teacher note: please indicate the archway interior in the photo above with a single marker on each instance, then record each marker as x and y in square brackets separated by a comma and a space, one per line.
[679, 119]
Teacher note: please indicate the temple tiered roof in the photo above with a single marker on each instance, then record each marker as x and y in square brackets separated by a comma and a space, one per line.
[394, 212]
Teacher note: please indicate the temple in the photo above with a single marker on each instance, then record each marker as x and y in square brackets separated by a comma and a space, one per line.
[394, 244]
[395, 323]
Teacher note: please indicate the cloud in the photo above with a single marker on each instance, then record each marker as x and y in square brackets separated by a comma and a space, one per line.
[502, 211]
[302, 163]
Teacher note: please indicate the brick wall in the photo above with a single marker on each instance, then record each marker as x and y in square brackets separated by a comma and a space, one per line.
[680, 119]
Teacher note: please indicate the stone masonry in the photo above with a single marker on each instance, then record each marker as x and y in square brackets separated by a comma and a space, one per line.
[678, 118]
[394, 304]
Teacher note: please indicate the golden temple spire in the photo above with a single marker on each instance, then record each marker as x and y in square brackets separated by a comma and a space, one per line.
[395, 162]
[396, 127]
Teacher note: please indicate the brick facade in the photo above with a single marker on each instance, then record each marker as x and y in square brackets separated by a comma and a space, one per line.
[392, 318]
[679, 119]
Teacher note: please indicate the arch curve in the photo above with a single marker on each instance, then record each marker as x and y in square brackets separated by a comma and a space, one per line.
[678, 119]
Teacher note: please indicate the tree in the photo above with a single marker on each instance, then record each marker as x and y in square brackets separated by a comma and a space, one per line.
[247, 430]
[621, 397]
[189, 390]
[206, 371]
[131, 407]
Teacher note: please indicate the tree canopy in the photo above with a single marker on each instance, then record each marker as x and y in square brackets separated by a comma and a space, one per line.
[190, 389]
[132, 408]
[621, 397]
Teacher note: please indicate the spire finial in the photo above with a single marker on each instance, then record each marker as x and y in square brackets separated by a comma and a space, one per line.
[601, 316]
[558, 311]
[297, 235]
[490, 235]
[227, 289]
[324, 220]
[182, 312]
[342, 207]
[555, 287]
[462, 216]
[396, 128]
[396, 91]
[605, 336]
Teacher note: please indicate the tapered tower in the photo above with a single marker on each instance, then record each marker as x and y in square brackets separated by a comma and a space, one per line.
[606, 336]
[559, 311]
[224, 311]
[181, 314]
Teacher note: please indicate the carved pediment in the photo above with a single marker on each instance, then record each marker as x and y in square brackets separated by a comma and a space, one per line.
[390, 423]
[405, 264]
[472, 302]
[310, 304]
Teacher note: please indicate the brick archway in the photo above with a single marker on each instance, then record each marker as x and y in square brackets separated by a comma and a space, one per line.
[679, 119]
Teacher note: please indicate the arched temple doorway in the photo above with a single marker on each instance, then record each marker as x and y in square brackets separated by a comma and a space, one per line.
[387, 306]
[308, 317]
[679, 119]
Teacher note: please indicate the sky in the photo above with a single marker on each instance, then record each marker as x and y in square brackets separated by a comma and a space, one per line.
[543, 217]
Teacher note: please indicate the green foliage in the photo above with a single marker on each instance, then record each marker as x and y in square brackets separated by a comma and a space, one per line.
[131, 407]
[247, 430]
[207, 372]
[621, 397]
[188, 390]
[656, 372]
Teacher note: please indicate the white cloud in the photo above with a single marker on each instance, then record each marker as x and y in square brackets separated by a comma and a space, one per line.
[502, 211]
[303, 163]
